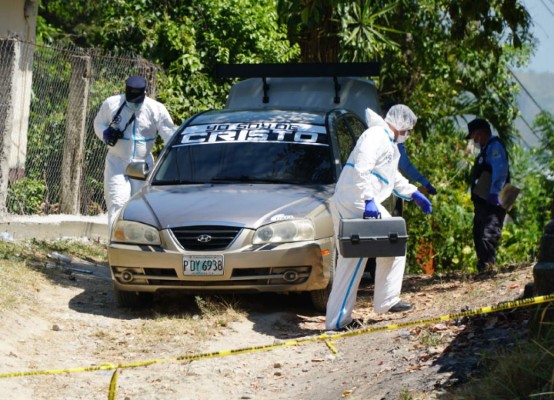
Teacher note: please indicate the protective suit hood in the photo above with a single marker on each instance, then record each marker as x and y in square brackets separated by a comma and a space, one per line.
[373, 119]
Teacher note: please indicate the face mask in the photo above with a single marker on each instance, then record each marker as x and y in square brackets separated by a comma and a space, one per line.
[476, 145]
[402, 138]
[134, 106]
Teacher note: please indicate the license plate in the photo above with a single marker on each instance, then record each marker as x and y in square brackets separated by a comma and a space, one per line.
[203, 265]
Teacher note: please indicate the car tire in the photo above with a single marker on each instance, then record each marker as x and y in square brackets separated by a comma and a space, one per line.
[126, 299]
[320, 297]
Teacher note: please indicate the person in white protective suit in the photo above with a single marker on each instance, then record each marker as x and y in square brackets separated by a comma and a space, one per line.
[369, 177]
[129, 124]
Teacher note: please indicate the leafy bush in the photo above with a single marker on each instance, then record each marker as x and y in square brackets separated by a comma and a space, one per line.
[532, 172]
[446, 234]
[26, 196]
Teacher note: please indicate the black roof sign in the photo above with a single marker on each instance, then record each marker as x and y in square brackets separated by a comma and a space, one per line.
[296, 70]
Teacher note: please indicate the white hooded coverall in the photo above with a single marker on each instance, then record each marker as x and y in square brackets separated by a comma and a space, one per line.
[136, 145]
[371, 172]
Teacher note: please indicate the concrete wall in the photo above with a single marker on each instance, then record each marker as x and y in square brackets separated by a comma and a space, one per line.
[55, 227]
[17, 21]
[19, 18]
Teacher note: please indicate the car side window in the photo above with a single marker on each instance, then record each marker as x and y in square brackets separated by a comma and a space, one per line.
[345, 138]
[357, 126]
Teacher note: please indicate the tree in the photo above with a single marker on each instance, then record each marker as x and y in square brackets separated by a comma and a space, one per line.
[319, 26]
[445, 58]
[313, 26]
[187, 39]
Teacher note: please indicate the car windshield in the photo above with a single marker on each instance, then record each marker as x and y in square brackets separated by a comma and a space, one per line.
[257, 153]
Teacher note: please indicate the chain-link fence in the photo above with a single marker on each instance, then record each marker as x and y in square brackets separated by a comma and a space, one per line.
[57, 163]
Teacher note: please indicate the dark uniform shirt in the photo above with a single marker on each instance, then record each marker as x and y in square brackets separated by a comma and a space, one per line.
[493, 159]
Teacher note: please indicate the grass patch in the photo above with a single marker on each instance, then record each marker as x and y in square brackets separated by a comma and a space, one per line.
[168, 332]
[85, 250]
[218, 311]
[18, 282]
[213, 312]
[22, 266]
[429, 338]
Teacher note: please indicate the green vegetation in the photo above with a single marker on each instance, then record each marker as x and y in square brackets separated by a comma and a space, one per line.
[443, 158]
[26, 196]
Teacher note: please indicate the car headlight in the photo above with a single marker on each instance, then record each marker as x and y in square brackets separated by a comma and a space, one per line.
[135, 232]
[285, 231]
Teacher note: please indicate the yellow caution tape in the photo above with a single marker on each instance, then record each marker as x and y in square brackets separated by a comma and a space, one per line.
[331, 347]
[323, 337]
[476, 311]
[113, 386]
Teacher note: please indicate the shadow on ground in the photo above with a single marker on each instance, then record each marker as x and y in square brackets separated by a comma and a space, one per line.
[273, 314]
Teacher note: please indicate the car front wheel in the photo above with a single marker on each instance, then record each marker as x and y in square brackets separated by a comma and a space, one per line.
[321, 296]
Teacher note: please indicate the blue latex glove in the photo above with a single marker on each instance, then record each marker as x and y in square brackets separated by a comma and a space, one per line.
[430, 188]
[422, 202]
[371, 210]
[493, 200]
[106, 135]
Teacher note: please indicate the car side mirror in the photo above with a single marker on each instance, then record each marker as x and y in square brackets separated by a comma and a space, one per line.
[137, 170]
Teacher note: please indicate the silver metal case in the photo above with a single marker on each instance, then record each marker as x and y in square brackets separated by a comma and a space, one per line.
[372, 237]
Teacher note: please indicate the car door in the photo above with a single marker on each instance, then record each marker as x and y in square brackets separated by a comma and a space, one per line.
[345, 128]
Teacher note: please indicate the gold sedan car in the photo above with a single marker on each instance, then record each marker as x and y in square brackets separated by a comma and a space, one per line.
[237, 202]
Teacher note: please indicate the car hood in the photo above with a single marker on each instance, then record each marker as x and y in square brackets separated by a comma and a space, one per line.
[246, 205]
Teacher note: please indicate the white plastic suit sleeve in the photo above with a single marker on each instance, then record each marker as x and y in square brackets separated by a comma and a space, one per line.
[165, 124]
[402, 187]
[104, 117]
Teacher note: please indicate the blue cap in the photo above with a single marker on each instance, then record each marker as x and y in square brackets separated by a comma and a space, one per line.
[135, 89]
[477, 123]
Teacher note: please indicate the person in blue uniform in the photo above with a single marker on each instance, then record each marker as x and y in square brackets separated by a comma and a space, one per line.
[491, 167]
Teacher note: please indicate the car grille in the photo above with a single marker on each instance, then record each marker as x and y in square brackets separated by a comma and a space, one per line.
[199, 238]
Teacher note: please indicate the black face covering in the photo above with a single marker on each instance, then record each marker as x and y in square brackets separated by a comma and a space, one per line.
[133, 95]
[135, 89]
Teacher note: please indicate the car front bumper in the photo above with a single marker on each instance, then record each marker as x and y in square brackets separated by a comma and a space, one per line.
[286, 267]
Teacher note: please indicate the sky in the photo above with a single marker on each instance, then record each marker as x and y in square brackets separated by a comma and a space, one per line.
[542, 15]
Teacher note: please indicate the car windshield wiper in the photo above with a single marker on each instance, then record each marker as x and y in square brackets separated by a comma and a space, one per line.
[245, 178]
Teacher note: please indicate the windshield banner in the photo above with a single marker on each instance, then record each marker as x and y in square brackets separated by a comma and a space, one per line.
[255, 132]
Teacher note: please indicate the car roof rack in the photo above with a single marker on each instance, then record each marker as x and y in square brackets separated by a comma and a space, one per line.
[299, 70]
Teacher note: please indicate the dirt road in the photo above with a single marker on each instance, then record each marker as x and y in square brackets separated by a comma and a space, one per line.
[73, 323]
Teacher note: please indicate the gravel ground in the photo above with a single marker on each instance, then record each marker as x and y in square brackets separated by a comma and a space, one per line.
[73, 323]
